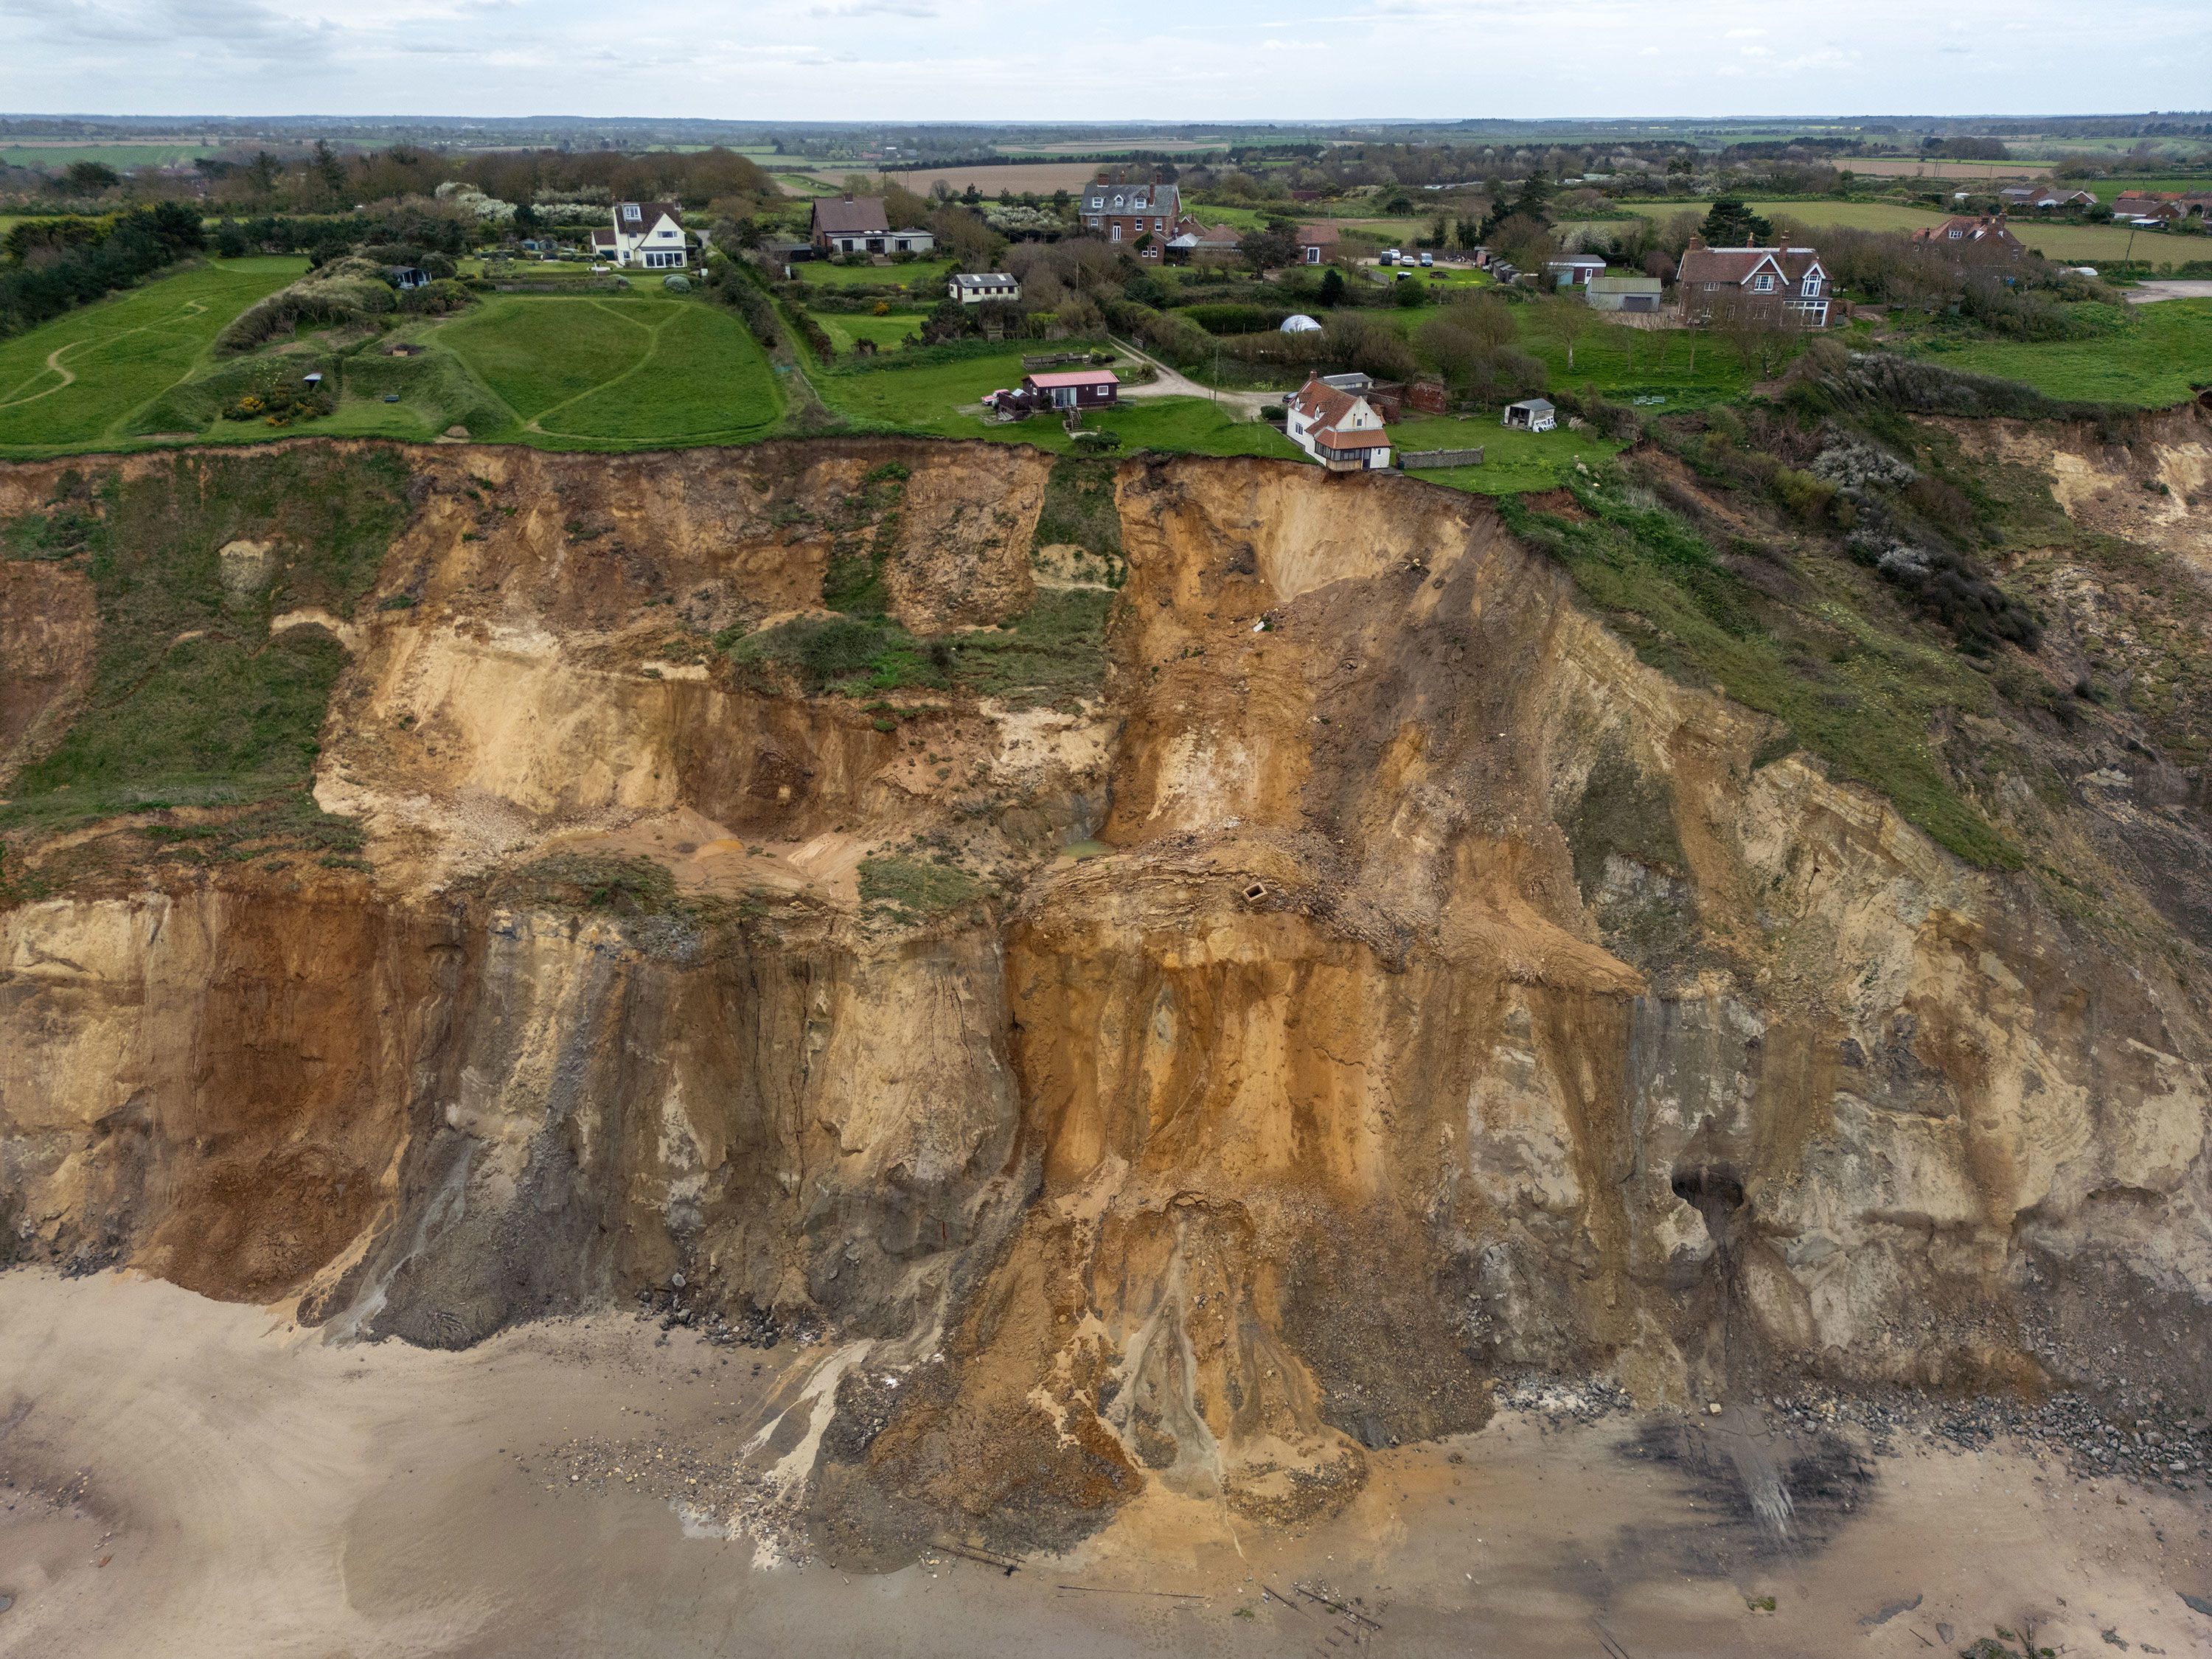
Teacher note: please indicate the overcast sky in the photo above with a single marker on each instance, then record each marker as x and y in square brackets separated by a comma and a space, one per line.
[1140, 59]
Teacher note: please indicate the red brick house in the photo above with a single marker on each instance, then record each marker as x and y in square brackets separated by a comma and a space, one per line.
[1786, 283]
[1974, 233]
[1316, 244]
[2148, 205]
[1127, 214]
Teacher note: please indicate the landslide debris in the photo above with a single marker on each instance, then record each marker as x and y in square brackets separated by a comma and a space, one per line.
[1183, 973]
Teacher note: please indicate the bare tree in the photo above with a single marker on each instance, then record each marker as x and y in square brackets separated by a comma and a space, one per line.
[1567, 321]
[1756, 334]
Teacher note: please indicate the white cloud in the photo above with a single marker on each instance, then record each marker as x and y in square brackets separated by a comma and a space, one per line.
[894, 60]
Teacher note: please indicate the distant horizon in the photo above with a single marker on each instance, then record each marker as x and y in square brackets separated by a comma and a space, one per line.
[1187, 123]
[910, 62]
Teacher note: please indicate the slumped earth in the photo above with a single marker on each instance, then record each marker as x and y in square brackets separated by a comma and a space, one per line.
[1322, 1061]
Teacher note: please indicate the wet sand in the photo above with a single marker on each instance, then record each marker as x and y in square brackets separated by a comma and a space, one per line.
[187, 1478]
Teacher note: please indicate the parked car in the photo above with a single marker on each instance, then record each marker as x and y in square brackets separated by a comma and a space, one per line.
[1428, 260]
[1389, 256]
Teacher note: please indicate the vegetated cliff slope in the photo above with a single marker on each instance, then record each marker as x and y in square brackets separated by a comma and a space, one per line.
[1449, 990]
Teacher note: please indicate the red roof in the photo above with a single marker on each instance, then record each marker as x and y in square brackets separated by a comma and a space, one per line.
[1318, 401]
[1364, 437]
[1316, 235]
[1324, 405]
[1076, 377]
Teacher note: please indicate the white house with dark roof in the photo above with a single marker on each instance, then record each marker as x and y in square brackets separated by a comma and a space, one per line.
[856, 224]
[1338, 428]
[648, 235]
[974, 288]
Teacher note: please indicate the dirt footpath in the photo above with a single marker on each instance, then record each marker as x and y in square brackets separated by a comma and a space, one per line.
[185, 1478]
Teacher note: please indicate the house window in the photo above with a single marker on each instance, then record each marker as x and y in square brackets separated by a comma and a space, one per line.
[1117, 230]
[1763, 284]
[1812, 285]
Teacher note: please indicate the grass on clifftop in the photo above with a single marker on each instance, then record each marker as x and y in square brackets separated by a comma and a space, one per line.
[1861, 696]
[193, 703]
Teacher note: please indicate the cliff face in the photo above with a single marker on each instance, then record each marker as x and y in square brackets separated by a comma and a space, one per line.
[1450, 992]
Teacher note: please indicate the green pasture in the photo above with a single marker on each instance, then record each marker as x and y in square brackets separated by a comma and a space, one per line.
[2157, 356]
[54, 157]
[76, 382]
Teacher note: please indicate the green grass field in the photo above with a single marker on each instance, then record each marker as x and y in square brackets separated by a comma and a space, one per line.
[943, 400]
[888, 332]
[2160, 352]
[57, 156]
[1512, 461]
[76, 381]
[601, 371]
[616, 370]
[921, 276]
[2077, 243]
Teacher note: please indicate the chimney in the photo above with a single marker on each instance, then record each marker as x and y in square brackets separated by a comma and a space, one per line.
[1696, 240]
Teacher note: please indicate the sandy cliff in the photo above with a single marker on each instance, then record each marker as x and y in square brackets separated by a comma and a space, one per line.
[1450, 993]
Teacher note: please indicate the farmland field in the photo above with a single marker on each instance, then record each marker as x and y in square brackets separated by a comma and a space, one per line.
[989, 177]
[1909, 167]
[2056, 241]
[75, 382]
[57, 155]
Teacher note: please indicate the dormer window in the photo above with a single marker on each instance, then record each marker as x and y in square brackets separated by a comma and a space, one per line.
[630, 214]
[1763, 283]
[1812, 286]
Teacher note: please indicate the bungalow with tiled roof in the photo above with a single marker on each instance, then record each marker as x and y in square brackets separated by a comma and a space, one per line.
[2141, 204]
[856, 224]
[1974, 232]
[1338, 428]
[2044, 198]
[1787, 283]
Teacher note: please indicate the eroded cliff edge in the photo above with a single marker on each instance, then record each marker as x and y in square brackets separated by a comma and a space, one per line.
[1444, 990]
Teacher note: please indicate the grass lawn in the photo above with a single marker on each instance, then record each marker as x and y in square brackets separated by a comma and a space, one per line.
[602, 371]
[2151, 363]
[888, 332]
[919, 276]
[942, 399]
[75, 382]
[614, 369]
[1512, 461]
